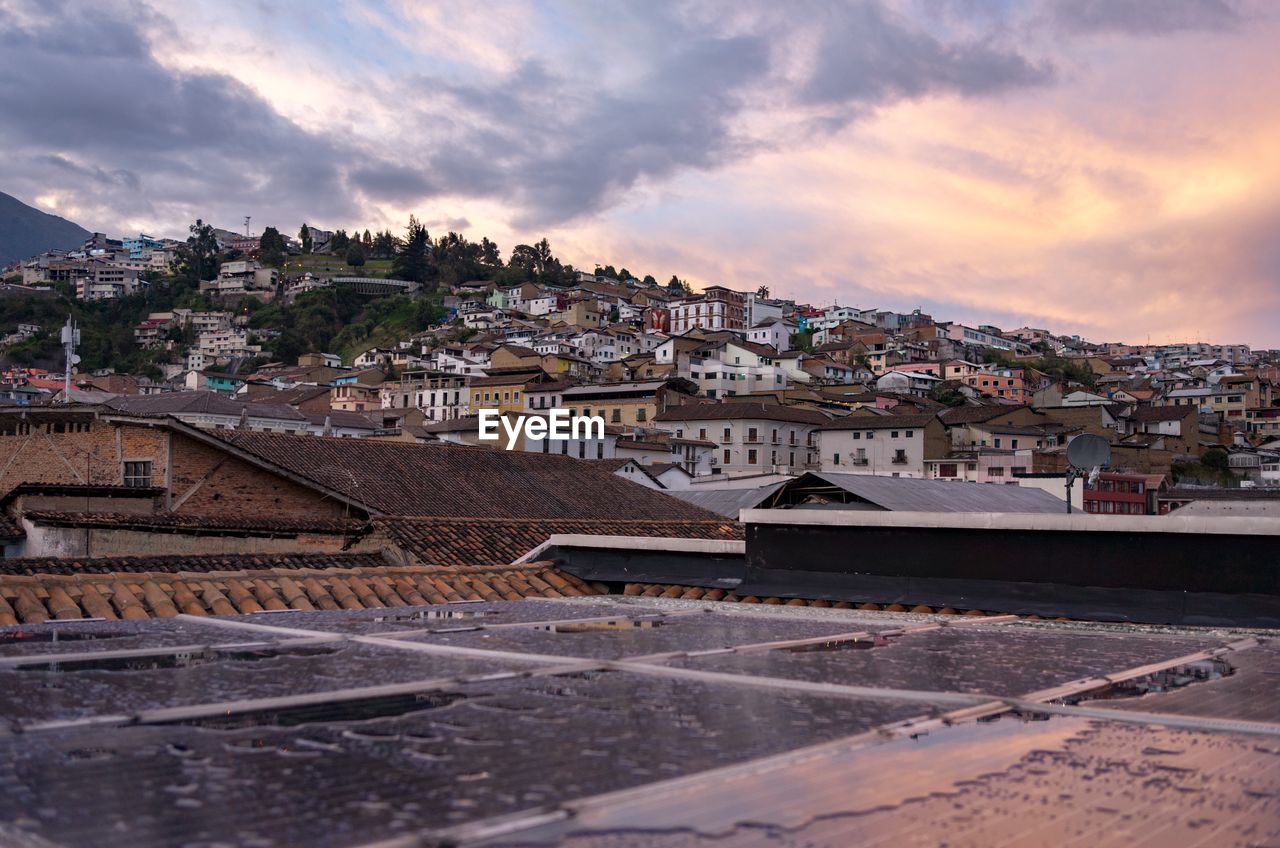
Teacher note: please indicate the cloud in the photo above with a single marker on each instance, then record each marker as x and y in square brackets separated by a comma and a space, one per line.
[867, 56]
[1143, 17]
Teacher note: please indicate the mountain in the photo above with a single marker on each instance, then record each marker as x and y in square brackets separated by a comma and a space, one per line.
[25, 231]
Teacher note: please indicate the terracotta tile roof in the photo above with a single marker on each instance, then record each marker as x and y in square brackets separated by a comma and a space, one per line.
[1148, 414]
[188, 563]
[976, 414]
[137, 595]
[472, 541]
[742, 410]
[9, 528]
[181, 521]
[880, 422]
[398, 478]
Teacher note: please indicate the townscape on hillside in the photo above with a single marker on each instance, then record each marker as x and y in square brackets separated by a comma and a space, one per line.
[371, 336]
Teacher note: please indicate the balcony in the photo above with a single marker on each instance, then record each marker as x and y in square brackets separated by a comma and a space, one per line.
[899, 460]
[858, 460]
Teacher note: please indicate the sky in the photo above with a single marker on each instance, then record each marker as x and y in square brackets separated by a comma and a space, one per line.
[1107, 168]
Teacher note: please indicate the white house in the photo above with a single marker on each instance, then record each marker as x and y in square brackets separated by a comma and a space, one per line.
[883, 445]
[750, 438]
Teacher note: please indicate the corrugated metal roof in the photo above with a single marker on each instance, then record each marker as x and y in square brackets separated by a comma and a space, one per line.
[915, 495]
[726, 502]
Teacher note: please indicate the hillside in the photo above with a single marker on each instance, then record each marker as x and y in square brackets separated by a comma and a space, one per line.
[25, 231]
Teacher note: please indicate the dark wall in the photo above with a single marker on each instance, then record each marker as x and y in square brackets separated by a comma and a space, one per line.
[1156, 577]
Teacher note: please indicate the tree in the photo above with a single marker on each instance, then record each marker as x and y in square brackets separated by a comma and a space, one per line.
[366, 241]
[339, 243]
[198, 258]
[355, 254]
[271, 248]
[763, 292]
[489, 254]
[304, 236]
[947, 395]
[412, 262]
[1216, 458]
[384, 245]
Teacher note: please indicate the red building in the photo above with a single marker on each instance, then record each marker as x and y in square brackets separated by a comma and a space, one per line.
[1115, 493]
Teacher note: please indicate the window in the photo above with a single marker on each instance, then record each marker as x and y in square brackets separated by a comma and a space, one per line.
[995, 472]
[582, 450]
[1018, 469]
[947, 469]
[751, 434]
[900, 457]
[642, 414]
[616, 418]
[751, 457]
[835, 458]
[893, 434]
[599, 450]
[1013, 443]
[911, 433]
[727, 460]
[702, 433]
[871, 434]
[857, 434]
[137, 474]
[997, 443]
[728, 434]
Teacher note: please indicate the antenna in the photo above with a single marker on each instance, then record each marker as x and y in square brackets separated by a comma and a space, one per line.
[70, 338]
[246, 225]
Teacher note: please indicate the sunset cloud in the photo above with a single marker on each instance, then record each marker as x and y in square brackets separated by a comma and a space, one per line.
[1104, 168]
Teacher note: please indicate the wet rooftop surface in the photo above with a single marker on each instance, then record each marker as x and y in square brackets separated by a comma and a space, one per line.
[591, 724]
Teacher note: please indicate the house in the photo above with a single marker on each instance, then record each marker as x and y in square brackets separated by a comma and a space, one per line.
[917, 383]
[750, 438]
[885, 444]
[628, 403]
[503, 389]
[1178, 426]
[963, 423]
[440, 395]
[716, 308]
[129, 484]
[1116, 493]
[774, 332]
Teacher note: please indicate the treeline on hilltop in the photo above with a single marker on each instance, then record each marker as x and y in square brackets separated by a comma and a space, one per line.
[333, 320]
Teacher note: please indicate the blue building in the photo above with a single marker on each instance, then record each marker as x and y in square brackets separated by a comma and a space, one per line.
[141, 245]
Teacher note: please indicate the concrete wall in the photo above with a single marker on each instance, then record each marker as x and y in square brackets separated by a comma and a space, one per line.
[48, 541]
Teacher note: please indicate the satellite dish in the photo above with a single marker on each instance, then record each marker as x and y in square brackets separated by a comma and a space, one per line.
[1088, 451]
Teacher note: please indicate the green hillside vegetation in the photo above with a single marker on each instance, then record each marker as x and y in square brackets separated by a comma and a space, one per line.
[336, 320]
[333, 320]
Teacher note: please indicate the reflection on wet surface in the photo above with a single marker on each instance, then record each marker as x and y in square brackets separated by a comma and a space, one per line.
[1003, 661]
[263, 740]
[180, 659]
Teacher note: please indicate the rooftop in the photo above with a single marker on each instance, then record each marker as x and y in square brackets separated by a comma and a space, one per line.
[397, 478]
[449, 723]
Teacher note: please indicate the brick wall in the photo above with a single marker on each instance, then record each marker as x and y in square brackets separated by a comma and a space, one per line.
[77, 450]
[207, 481]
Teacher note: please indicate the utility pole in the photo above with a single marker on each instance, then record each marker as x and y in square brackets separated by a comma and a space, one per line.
[70, 338]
